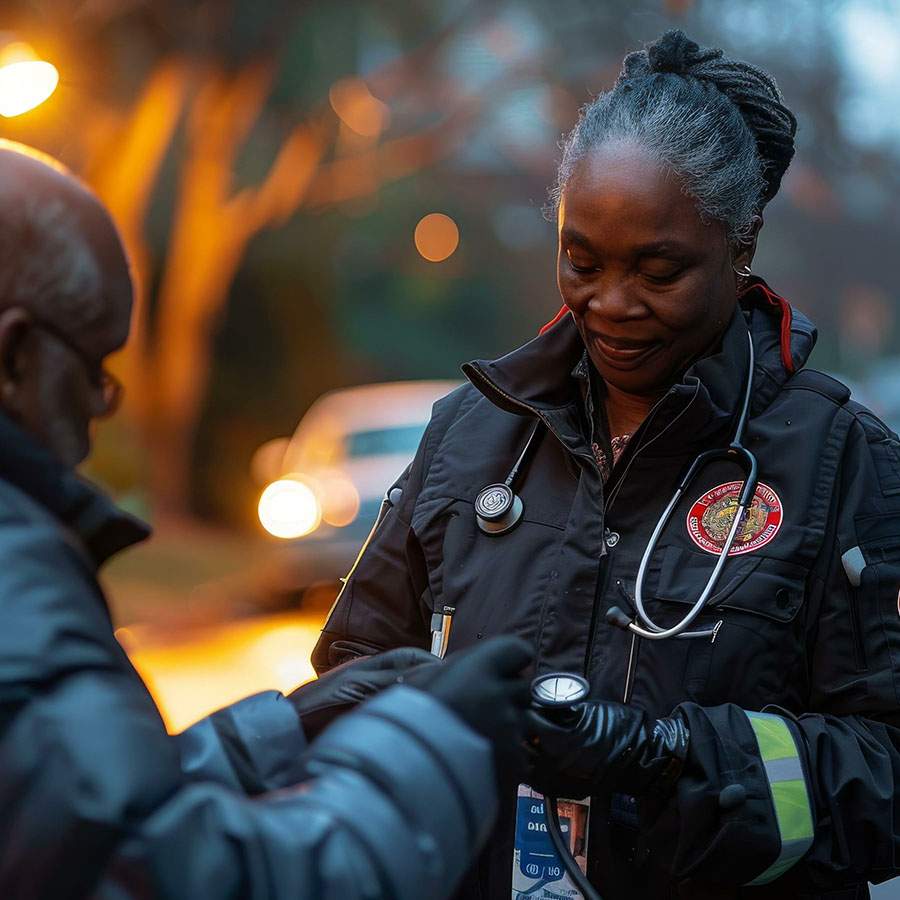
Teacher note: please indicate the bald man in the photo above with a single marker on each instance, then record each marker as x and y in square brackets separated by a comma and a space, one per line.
[389, 801]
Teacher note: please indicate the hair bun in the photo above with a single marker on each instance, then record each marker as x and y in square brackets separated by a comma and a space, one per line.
[753, 92]
[676, 52]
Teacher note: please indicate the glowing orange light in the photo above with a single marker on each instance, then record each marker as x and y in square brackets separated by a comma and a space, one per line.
[25, 80]
[192, 675]
[352, 100]
[436, 237]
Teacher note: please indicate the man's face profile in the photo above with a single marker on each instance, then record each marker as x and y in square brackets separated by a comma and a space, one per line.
[65, 309]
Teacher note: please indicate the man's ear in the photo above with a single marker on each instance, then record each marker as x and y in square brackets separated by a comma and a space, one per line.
[743, 250]
[15, 329]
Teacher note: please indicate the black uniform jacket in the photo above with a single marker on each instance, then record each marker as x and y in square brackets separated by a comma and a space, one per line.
[808, 602]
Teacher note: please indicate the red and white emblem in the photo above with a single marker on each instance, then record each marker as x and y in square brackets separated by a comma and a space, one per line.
[711, 517]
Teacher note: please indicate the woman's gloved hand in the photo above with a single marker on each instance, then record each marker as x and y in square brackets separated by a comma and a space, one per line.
[319, 702]
[606, 747]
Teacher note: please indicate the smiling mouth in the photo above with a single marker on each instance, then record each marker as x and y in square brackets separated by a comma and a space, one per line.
[621, 353]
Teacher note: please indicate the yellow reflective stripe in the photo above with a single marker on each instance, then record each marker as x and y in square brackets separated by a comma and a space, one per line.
[775, 741]
[790, 796]
[792, 804]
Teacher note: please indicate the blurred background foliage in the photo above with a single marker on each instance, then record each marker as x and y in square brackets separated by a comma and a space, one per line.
[268, 162]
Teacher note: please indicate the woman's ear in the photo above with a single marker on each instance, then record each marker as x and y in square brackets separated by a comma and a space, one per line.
[15, 327]
[744, 249]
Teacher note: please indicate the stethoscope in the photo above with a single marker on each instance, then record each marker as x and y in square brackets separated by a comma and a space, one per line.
[498, 509]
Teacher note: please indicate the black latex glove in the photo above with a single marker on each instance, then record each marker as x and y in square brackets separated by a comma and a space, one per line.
[482, 685]
[606, 747]
[319, 702]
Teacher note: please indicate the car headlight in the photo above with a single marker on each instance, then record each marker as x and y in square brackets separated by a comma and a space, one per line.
[288, 508]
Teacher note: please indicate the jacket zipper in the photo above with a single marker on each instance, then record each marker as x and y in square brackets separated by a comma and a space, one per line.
[601, 588]
[641, 447]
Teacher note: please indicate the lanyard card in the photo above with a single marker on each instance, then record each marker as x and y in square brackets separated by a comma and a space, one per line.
[538, 871]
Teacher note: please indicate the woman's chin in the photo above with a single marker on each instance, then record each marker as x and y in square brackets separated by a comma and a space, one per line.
[640, 381]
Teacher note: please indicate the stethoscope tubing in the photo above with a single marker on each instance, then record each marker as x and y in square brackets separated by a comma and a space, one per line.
[737, 452]
[579, 879]
[508, 514]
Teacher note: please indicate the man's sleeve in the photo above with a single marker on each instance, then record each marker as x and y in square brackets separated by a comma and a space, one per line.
[399, 797]
[381, 605]
[770, 794]
[254, 745]
[95, 801]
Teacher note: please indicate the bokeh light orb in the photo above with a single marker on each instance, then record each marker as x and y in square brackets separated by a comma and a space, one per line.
[436, 237]
[357, 108]
[288, 509]
[25, 80]
[340, 499]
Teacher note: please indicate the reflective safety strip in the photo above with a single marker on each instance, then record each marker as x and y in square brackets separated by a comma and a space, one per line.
[790, 796]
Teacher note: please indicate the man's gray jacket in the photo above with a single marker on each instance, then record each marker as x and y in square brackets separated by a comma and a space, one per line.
[98, 801]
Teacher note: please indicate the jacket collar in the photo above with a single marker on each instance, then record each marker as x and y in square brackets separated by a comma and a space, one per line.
[540, 378]
[81, 507]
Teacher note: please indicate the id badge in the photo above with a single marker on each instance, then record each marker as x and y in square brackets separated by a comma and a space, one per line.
[538, 871]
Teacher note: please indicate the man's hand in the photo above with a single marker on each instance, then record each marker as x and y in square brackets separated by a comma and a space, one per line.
[321, 701]
[484, 687]
[608, 747]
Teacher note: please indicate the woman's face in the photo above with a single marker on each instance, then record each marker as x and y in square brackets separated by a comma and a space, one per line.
[649, 284]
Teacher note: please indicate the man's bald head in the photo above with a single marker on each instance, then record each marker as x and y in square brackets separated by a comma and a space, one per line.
[60, 254]
[64, 280]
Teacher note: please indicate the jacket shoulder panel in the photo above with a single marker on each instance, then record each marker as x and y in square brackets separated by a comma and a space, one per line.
[54, 613]
[821, 384]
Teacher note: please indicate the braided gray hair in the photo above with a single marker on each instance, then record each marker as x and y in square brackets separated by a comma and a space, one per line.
[719, 124]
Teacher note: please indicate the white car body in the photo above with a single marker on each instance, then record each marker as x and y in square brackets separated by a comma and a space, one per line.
[364, 436]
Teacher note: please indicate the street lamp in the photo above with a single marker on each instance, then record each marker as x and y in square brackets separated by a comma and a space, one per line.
[25, 80]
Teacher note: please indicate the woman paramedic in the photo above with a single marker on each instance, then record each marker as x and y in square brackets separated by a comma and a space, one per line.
[754, 750]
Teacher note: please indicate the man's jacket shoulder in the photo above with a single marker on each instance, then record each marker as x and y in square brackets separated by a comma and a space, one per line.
[53, 613]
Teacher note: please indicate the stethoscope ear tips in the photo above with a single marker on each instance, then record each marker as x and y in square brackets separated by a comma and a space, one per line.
[497, 509]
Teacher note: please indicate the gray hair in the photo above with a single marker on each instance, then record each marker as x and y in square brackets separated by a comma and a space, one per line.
[718, 124]
[46, 262]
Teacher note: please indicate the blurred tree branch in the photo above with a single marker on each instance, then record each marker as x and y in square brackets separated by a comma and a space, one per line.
[319, 163]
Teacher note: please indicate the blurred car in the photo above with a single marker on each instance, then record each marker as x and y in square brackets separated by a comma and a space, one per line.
[883, 386]
[878, 389]
[324, 485]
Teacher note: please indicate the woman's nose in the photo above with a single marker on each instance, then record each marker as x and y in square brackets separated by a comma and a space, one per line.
[612, 299]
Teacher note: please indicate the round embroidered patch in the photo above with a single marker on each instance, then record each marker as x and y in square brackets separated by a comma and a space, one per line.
[712, 515]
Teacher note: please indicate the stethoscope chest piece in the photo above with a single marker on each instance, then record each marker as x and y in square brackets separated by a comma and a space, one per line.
[497, 509]
[558, 689]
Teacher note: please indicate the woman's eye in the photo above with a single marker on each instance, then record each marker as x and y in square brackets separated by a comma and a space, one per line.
[581, 266]
[662, 276]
